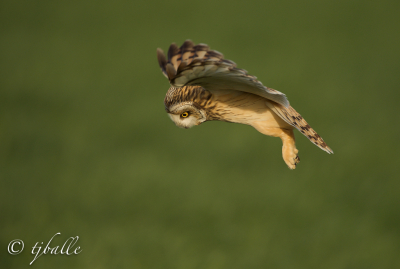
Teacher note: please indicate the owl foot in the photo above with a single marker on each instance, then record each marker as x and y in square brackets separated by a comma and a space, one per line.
[289, 153]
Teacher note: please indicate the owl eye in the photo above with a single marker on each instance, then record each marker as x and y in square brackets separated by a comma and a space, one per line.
[184, 114]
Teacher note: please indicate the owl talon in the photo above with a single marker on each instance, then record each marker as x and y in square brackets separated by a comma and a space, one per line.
[296, 160]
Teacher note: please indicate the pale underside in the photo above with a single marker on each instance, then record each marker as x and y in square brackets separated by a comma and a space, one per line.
[247, 108]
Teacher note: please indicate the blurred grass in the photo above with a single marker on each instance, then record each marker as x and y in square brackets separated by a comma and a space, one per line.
[87, 149]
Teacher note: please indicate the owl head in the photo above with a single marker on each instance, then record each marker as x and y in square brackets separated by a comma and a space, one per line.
[187, 114]
[185, 106]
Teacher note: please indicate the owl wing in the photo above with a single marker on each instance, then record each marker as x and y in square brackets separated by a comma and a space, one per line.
[197, 65]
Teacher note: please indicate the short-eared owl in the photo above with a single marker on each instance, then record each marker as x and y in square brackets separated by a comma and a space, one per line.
[205, 87]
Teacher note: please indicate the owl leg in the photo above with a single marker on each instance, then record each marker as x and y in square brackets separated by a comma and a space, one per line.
[289, 150]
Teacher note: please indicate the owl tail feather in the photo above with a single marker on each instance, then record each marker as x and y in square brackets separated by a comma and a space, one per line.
[292, 117]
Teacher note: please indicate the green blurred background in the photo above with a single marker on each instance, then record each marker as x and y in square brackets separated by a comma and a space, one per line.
[86, 148]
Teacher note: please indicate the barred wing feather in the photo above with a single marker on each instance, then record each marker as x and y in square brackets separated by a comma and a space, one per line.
[197, 65]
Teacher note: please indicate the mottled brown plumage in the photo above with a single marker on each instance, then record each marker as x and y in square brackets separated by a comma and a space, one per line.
[205, 86]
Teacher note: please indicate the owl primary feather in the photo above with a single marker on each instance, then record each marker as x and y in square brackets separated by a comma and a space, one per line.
[205, 87]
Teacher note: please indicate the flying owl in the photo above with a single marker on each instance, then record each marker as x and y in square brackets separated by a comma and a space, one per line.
[206, 87]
